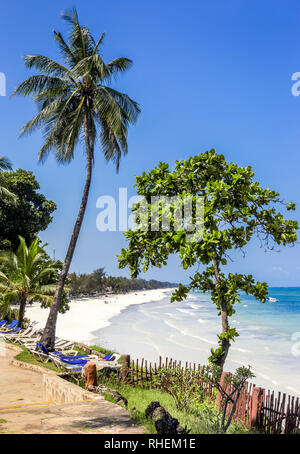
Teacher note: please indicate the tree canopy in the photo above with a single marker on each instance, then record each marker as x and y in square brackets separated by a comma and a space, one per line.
[24, 276]
[76, 102]
[5, 164]
[236, 208]
[30, 214]
[99, 282]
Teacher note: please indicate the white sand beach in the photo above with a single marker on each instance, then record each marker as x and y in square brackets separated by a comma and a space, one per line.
[184, 331]
[87, 315]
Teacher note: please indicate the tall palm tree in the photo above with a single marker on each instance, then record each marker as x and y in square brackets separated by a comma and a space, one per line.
[24, 274]
[75, 100]
[5, 194]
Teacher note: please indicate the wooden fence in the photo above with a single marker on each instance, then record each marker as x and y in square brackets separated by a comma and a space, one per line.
[143, 373]
[259, 409]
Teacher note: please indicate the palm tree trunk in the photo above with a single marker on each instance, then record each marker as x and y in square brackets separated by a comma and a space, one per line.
[48, 337]
[21, 310]
[224, 317]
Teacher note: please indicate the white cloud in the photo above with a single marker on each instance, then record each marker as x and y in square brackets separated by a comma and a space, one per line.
[279, 269]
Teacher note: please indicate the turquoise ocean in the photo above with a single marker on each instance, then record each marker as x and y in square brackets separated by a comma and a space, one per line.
[269, 338]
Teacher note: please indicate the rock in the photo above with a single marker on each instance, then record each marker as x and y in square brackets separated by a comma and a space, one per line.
[92, 389]
[90, 375]
[163, 421]
[150, 409]
[118, 398]
[102, 389]
[159, 413]
[115, 395]
[183, 431]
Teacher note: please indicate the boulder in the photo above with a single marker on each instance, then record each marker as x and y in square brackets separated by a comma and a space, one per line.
[163, 421]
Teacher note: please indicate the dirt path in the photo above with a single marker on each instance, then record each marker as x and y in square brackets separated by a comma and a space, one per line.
[24, 409]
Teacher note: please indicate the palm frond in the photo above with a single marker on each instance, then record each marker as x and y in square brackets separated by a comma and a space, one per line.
[46, 65]
[5, 163]
[118, 65]
[75, 90]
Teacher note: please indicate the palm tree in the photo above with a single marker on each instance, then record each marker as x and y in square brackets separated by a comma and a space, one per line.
[5, 194]
[24, 275]
[75, 101]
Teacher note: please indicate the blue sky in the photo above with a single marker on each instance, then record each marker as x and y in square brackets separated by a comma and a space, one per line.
[207, 75]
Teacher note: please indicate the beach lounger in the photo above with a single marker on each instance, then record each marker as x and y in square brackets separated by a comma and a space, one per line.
[2, 323]
[62, 344]
[6, 334]
[64, 364]
[24, 336]
[11, 326]
[111, 358]
[59, 355]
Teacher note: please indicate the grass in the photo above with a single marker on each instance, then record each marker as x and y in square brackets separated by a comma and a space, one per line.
[101, 349]
[202, 418]
[26, 357]
[3, 421]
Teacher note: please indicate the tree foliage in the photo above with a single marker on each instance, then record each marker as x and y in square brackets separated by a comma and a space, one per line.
[30, 214]
[5, 194]
[27, 277]
[236, 208]
[75, 93]
[99, 282]
[76, 101]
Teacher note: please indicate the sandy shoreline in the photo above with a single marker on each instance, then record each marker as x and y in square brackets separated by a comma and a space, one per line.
[88, 315]
[184, 331]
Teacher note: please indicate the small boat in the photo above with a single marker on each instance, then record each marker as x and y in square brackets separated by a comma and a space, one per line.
[273, 300]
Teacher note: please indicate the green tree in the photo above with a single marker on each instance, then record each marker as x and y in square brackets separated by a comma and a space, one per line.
[5, 194]
[30, 214]
[24, 276]
[75, 102]
[236, 208]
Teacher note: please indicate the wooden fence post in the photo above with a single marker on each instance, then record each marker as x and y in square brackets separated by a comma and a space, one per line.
[255, 401]
[126, 366]
[223, 384]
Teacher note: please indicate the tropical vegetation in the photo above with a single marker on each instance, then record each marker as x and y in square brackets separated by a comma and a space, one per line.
[235, 209]
[5, 194]
[26, 277]
[76, 101]
[31, 214]
[98, 282]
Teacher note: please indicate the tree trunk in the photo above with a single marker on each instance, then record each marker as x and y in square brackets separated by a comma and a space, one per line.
[224, 317]
[48, 337]
[21, 310]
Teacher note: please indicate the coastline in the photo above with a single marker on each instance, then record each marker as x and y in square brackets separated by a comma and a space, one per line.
[90, 314]
[186, 331]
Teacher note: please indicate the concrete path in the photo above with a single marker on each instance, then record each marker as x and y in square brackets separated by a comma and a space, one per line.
[24, 409]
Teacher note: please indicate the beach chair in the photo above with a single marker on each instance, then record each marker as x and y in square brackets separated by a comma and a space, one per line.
[32, 341]
[5, 334]
[2, 323]
[111, 358]
[61, 355]
[22, 337]
[75, 366]
[62, 344]
[10, 327]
